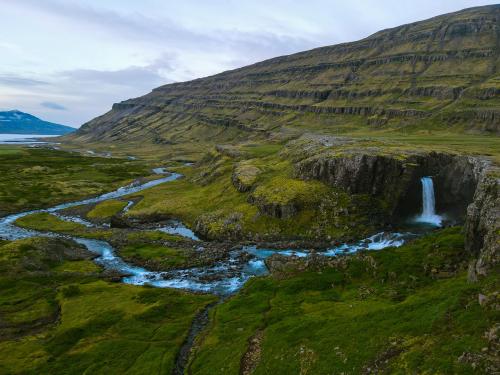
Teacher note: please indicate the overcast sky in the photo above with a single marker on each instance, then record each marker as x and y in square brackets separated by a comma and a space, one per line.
[68, 61]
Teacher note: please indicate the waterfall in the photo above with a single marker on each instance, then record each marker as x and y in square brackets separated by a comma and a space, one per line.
[428, 214]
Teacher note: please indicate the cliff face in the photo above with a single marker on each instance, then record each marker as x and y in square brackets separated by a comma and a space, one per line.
[441, 72]
[483, 225]
[396, 178]
[466, 187]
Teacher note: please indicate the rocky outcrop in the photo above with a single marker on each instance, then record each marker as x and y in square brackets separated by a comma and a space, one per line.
[467, 188]
[217, 225]
[356, 173]
[244, 177]
[275, 209]
[395, 178]
[483, 225]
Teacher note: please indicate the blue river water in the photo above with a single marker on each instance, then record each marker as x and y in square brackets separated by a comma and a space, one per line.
[223, 277]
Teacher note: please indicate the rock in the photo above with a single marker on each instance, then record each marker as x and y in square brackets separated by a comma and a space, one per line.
[282, 197]
[118, 221]
[278, 210]
[482, 226]
[217, 225]
[244, 177]
[482, 299]
[393, 177]
[228, 150]
[112, 275]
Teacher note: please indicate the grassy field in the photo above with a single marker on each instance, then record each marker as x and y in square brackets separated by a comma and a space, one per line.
[158, 250]
[440, 141]
[59, 317]
[405, 310]
[165, 257]
[208, 200]
[106, 209]
[36, 178]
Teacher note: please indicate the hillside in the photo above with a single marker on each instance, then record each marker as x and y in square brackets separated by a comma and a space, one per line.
[439, 74]
[17, 122]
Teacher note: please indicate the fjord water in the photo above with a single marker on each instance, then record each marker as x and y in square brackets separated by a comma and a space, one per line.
[23, 139]
[428, 214]
[223, 277]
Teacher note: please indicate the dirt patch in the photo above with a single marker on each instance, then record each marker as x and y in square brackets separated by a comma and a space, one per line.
[251, 358]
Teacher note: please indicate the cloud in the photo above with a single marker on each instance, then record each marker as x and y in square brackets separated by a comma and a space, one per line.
[74, 97]
[165, 32]
[19, 81]
[52, 105]
[133, 76]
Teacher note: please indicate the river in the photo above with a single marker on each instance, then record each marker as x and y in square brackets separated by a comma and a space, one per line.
[222, 278]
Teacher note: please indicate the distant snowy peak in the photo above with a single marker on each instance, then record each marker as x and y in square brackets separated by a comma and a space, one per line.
[15, 115]
[17, 122]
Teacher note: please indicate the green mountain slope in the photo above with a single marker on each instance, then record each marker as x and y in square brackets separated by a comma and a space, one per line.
[17, 122]
[438, 74]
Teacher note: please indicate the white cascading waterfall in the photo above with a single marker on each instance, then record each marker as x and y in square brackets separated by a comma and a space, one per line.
[428, 214]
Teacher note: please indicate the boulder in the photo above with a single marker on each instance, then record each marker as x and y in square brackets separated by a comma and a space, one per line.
[244, 177]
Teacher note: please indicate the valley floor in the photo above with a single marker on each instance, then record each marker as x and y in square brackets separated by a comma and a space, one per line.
[399, 310]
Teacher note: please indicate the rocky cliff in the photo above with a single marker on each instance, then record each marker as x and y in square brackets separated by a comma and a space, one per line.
[483, 224]
[391, 175]
[438, 73]
[467, 188]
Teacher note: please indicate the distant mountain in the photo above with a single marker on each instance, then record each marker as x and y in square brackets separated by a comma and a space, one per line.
[17, 122]
[441, 74]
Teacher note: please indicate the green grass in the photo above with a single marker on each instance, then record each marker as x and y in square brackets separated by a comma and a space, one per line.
[164, 257]
[46, 222]
[106, 209]
[438, 141]
[341, 319]
[58, 318]
[207, 197]
[38, 178]
[81, 266]
[142, 247]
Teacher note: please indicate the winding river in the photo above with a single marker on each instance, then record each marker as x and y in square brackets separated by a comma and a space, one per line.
[224, 277]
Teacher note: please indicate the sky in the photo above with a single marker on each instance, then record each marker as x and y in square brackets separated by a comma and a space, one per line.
[68, 61]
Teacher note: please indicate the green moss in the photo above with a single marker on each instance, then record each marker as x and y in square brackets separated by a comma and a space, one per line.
[37, 178]
[283, 190]
[106, 209]
[152, 235]
[165, 257]
[345, 319]
[44, 221]
[82, 266]
[65, 322]
[207, 199]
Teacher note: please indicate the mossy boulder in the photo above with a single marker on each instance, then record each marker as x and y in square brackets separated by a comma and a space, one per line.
[284, 197]
[244, 177]
[218, 225]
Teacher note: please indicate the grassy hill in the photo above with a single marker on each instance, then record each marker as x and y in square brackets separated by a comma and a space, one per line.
[438, 75]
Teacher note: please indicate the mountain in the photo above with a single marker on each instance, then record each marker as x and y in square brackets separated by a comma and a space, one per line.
[17, 122]
[439, 74]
